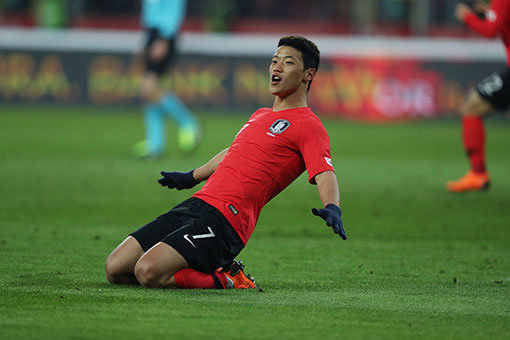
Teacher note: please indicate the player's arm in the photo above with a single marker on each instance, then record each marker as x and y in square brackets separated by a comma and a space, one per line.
[327, 185]
[493, 22]
[206, 170]
[314, 147]
[186, 180]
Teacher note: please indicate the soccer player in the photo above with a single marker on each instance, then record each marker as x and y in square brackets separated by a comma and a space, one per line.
[162, 20]
[491, 93]
[195, 243]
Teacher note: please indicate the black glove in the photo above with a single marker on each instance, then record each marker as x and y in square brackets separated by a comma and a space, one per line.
[333, 217]
[178, 180]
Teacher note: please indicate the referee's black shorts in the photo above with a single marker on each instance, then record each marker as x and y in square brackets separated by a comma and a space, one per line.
[161, 65]
[496, 89]
[198, 231]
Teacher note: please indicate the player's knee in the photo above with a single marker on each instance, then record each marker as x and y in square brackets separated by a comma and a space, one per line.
[117, 270]
[467, 108]
[464, 110]
[112, 270]
[147, 274]
[150, 90]
[146, 93]
[111, 278]
[474, 105]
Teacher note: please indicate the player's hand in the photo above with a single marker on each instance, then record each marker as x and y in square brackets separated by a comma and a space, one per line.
[333, 217]
[461, 11]
[178, 180]
[481, 7]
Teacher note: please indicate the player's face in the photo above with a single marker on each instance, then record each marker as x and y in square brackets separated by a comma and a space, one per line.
[286, 72]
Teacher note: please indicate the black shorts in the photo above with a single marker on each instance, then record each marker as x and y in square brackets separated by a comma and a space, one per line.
[161, 65]
[496, 89]
[198, 231]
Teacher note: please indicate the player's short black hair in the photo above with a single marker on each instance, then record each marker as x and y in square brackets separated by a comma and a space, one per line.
[309, 51]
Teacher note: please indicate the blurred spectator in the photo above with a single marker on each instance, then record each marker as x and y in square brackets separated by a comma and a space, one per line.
[393, 11]
[219, 15]
[382, 17]
[51, 13]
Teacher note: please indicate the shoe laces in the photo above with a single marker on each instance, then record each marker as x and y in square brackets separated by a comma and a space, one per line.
[235, 268]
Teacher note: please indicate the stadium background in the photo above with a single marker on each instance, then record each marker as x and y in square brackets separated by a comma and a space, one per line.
[382, 59]
[419, 263]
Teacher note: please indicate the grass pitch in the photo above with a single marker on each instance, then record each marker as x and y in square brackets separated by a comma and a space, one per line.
[419, 263]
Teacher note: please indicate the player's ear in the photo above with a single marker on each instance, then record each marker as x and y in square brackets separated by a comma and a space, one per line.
[309, 74]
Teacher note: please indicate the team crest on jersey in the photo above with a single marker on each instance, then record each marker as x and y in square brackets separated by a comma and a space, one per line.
[279, 126]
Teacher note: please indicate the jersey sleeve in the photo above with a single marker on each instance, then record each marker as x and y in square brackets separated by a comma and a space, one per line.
[315, 149]
[495, 19]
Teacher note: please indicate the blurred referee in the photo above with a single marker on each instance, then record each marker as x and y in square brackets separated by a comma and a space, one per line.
[162, 20]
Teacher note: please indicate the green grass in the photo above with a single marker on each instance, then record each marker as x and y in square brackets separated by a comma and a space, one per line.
[419, 263]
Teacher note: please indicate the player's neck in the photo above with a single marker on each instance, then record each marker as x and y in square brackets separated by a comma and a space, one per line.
[291, 101]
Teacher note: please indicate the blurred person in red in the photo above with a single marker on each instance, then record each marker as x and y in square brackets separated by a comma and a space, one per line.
[492, 93]
[162, 20]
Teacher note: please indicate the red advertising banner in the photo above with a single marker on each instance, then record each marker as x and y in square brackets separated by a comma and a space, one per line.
[377, 89]
[369, 89]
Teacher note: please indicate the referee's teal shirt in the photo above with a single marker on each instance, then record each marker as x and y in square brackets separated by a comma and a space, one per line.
[164, 15]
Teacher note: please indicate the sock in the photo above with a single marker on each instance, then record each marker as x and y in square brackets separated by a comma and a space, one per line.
[173, 107]
[154, 128]
[192, 279]
[473, 136]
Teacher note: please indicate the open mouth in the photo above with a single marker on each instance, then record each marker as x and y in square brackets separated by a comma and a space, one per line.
[275, 79]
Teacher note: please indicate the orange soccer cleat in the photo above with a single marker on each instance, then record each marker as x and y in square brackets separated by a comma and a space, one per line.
[471, 181]
[236, 277]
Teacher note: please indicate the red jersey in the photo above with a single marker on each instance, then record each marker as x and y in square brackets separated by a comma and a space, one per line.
[496, 23]
[269, 152]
